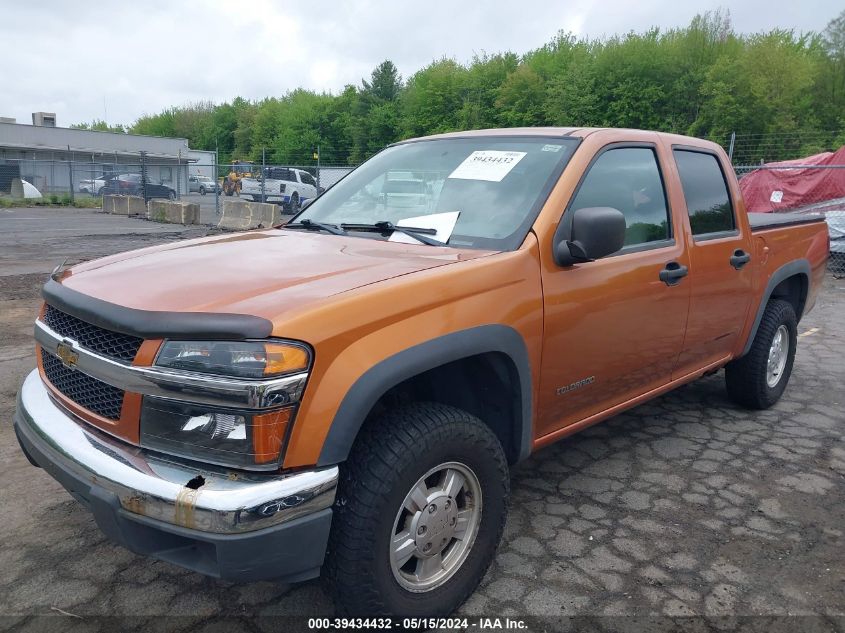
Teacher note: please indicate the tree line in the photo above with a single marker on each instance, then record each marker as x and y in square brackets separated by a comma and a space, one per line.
[783, 92]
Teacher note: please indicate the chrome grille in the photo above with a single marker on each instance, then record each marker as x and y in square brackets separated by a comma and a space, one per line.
[122, 347]
[89, 393]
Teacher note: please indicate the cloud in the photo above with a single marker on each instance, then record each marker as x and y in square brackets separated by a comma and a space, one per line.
[128, 59]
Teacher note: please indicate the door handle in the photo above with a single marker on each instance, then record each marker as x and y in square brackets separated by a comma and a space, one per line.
[740, 258]
[673, 273]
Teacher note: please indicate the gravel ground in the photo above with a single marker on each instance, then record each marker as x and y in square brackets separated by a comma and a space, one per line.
[684, 506]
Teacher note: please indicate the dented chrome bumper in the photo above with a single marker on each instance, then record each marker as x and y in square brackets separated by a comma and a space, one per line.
[157, 487]
[237, 526]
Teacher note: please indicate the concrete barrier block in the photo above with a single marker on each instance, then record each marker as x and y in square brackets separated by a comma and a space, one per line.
[174, 212]
[240, 215]
[135, 205]
[124, 205]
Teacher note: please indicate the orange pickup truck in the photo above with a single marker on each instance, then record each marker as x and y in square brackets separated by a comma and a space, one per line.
[343, 395]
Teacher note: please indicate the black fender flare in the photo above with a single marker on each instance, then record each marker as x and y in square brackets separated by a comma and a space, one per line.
[376, 381]
[790, 269]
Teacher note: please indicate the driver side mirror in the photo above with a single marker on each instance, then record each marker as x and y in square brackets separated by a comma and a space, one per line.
[595, 233]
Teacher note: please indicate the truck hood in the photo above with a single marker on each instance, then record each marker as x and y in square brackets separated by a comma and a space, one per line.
[261, 273]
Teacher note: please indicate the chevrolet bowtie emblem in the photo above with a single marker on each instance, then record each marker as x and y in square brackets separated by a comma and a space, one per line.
[65, 352]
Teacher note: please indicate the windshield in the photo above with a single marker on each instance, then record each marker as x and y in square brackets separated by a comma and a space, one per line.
[495, 184]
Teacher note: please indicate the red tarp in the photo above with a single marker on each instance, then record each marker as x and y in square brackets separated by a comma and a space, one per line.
[771, 190]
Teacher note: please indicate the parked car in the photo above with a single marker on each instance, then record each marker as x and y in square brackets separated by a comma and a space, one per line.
[130, 184]
[288, 186]
[94, 186]
[346, 395]
[201, 184]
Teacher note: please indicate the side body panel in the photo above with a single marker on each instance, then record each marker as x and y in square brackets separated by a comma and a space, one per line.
[720, 294]
[365, 328]
[612, 329]
[783, 252]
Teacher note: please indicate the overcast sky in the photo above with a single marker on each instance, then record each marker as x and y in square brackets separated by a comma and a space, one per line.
[123, 59]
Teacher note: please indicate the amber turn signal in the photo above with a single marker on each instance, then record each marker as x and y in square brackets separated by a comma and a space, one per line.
[281, 358]
[268, 433]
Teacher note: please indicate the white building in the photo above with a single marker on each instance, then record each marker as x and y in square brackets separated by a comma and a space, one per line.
[202, 163]
[55, 158]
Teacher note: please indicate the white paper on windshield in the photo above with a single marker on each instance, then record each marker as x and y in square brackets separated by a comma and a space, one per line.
[443, 223]
[777, 196]
[488, 164]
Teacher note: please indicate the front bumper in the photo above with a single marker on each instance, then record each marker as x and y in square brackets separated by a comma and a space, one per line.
[228, 524]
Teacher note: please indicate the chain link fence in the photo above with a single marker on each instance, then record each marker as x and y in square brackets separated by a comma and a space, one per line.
[207, 184]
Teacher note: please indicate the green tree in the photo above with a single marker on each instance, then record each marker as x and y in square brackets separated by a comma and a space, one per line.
[385, 82]
[375, 112]
[100, 126]
[520, 99]
[485, 76]
[433, 98]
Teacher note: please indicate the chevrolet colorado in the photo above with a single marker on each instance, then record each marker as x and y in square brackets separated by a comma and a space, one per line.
[345, 394]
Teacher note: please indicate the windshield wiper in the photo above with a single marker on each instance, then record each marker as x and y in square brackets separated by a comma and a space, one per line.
[316, 226]
[418, 233]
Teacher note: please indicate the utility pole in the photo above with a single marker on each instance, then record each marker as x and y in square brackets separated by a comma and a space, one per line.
[263, 172]
[144, 175]
[70, 171]
[318, 170]
[216, 185]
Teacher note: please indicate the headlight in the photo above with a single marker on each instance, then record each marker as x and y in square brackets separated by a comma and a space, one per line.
[239, 439]
[242, 359]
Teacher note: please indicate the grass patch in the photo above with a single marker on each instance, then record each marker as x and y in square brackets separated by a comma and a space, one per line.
[53, 200]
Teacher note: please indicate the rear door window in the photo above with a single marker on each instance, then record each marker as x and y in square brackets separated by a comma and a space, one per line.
[706, 193]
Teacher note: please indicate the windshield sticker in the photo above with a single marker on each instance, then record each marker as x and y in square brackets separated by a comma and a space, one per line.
[551, 148]
[777, 196]
[491, 165]
[443, 223]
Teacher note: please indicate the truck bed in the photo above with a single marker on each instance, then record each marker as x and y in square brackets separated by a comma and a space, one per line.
[763, 221]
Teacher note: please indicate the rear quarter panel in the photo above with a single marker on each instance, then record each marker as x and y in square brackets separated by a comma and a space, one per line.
[776, 247]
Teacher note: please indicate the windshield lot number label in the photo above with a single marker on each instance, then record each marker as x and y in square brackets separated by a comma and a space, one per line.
[491, 165]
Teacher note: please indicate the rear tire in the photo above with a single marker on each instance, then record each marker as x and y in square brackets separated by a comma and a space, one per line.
[758, 379]
[393, 552]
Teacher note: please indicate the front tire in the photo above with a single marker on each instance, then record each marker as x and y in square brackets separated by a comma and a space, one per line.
[758, 379]
[420, 511]
[202, 191]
